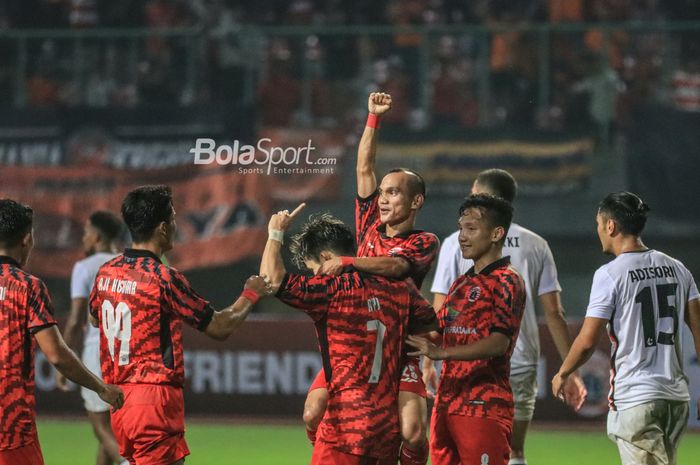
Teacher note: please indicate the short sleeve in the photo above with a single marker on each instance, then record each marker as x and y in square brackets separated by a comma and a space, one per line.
[419, 251]
[41, 311]
[549, 281]
[184, 302]
[447, 269]
[310, 294]
[79, 282]
[366, 215]
[503, 301]
[422, 318]
[93, 303]
[602, 300]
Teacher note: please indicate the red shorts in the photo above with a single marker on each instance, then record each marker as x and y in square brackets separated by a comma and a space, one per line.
[324, 454]
[463, 440]
[25, 455]
[150, 427]
[411, 379]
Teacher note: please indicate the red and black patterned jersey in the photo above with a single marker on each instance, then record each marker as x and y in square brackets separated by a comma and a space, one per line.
[361, 321]
[477, 306]
[419, 248]
[25, 309]
[140, 304]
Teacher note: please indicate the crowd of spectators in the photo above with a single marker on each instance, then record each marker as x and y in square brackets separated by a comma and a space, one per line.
[595, 74]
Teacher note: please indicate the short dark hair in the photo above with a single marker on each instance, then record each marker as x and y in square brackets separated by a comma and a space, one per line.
[498, 211]
[323, 232]
[627, 210]
[107, 224]
[416, 183]
[15, 222]
[144, 208]
[499, 182]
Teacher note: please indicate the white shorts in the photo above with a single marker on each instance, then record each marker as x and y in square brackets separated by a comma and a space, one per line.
[524, 386]
[649, 433]
[91, 359]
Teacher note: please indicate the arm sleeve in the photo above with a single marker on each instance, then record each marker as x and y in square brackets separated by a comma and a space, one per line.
[309, 294]
[184, 302]
[366, 215]
[422, 318]
[549, 281]
[41, 310]
[602, 301]
[447, 268]
[693, 287]
[93, 303]
[79, 285]
[503, 302]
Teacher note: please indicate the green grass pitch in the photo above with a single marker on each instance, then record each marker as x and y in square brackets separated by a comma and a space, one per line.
[71, 443]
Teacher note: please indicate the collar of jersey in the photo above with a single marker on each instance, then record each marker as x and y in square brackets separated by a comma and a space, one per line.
[4, 259]
[140, 253]
[501, 262]
[382, 230]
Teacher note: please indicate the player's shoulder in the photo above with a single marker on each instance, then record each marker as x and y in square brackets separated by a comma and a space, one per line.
[529, 238]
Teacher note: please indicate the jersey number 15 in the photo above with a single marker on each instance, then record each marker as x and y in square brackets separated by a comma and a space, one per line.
[665, 310]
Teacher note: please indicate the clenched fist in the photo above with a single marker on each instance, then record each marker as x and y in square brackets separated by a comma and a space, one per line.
[379, 103]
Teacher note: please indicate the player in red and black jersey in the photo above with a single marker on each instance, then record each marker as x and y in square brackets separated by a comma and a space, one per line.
[139, 305]
[388, 245]
[361, 320]
[26, 314]
[480, 319]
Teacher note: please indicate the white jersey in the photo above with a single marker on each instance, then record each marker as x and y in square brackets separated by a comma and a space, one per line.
[81, 281]
[644, 296]
[531, 256]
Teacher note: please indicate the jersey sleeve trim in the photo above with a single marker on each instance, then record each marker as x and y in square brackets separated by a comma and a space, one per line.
[36, 329]
[206, 319]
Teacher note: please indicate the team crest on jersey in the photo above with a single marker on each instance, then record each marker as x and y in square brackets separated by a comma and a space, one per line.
[474, 294]
[395, 251]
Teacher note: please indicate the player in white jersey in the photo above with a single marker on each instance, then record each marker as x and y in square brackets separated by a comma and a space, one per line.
[100, 239]
[642, 296]
[531, 256]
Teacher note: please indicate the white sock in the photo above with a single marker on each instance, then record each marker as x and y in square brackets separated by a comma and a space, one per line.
[521, 461]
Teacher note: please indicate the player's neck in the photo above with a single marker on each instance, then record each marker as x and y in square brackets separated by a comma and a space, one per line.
[156, 249]
[400, 228]
[13, 253]
[488, 258]
[99, 248]
[630, 244]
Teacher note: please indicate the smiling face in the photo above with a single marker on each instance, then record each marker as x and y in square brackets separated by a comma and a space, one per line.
[476, 235]
[396, 201]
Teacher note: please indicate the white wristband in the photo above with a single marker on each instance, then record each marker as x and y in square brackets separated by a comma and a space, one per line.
[276, 235]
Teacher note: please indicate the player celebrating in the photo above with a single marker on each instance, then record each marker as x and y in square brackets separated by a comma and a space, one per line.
[362, 321]
[531, 256]
[101, 233]
[388, 245]
[641, 296]
[140, 304]
[26, 313]
[473, 412]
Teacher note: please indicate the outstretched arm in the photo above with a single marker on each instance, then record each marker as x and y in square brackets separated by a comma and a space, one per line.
[494, 345]
[378, 104]
[224, 322]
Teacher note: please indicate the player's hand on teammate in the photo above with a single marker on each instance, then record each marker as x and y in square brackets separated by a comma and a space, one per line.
[261, 285]
[283, 219]
[379, 103]
[424, 347]
[332, 267]
[113, 395]
[575, 392]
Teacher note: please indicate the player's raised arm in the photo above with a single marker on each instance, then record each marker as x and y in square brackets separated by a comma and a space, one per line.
[271, 264]
[378, 104]
[65, 361]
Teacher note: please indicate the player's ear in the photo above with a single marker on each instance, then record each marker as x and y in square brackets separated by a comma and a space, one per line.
[418, 201]
[326, 255]
[611, 227]
[28, 240]
[498, 233]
